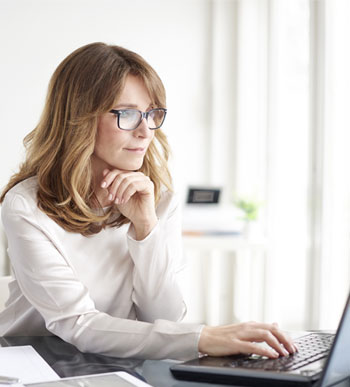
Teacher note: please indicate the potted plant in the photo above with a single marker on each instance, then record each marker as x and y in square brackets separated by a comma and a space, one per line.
[250, 209]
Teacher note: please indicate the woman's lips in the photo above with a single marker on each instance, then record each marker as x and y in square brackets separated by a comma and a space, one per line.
[136, 150]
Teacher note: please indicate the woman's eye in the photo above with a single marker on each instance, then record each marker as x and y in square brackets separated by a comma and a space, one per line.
[128, 113]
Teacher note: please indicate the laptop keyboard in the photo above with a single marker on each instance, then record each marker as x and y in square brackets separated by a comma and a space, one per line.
[311, 347]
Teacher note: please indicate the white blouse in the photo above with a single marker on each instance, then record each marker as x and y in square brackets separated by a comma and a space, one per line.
[106, 293]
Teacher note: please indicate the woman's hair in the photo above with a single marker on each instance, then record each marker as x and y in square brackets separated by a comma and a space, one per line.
[85, 85]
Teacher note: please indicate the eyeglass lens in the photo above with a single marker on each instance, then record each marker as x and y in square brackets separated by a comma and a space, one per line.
[131, 118]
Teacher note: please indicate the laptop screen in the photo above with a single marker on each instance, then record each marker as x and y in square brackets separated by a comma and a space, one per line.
[338, 364]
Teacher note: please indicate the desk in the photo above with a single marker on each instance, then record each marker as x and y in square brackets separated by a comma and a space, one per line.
[66, 360]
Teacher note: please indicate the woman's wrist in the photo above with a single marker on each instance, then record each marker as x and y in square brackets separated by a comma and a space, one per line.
[142, 229]
[203, 342]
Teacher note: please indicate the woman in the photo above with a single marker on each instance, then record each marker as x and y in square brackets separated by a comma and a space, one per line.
[93, 227]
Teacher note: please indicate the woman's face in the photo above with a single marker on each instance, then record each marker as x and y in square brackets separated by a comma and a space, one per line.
[123, 149]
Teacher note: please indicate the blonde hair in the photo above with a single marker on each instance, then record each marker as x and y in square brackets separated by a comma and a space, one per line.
[58, 151]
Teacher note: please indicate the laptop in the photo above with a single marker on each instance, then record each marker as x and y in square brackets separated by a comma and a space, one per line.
[323, 360]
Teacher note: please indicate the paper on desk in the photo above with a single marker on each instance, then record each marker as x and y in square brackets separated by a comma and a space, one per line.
[25, 363]
[119, 378]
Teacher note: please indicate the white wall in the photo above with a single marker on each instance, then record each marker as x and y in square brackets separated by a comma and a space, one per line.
[36, 35]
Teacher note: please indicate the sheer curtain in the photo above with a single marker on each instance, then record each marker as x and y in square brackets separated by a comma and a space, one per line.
[308, 191]
[330, 265]
[279, 133]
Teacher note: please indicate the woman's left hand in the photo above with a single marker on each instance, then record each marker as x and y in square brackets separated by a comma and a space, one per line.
[133, 193]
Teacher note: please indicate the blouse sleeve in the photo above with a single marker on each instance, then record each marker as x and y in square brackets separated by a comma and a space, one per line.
[50, 284]
[158, 261]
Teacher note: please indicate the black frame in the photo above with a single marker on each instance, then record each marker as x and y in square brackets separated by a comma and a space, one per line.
[143, 115]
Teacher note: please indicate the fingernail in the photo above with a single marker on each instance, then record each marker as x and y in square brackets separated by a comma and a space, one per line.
[103, 184]
[274, 353]
[116, 201]
[286, 353]
[110, 197]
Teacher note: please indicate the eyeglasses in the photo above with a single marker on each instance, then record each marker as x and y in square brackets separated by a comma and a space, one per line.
[130, 119]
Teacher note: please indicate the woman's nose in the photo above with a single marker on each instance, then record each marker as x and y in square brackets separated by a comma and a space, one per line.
[143, 129]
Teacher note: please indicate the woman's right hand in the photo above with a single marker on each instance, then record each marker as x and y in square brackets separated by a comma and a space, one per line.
[243, 338]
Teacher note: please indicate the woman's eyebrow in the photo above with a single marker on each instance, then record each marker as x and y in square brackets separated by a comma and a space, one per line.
[127, 105]
[132, 106]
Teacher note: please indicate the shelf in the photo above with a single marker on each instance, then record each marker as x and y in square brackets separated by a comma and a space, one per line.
[223, 242]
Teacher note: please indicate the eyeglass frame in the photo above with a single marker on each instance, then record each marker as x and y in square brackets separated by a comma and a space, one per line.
[117, 112]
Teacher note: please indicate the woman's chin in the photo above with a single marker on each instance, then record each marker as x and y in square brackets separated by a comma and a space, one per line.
[128, 167]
